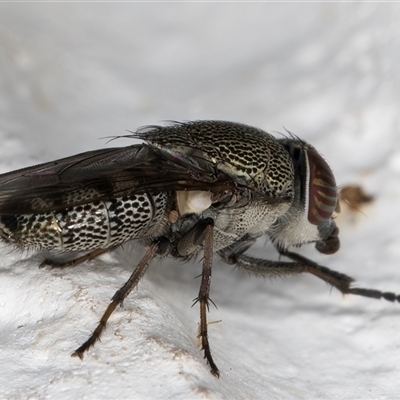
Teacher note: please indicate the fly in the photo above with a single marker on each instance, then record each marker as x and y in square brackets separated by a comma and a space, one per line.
[192, 188]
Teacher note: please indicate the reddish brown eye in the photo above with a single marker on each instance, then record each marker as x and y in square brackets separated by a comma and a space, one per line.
[322, 190]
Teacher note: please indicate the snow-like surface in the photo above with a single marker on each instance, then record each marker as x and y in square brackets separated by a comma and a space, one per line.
[73, 73]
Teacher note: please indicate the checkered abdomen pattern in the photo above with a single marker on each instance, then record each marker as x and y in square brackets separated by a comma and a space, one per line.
[96, 225]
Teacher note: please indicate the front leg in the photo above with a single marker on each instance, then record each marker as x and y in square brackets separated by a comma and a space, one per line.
[340, 281]
[300, 264]
[234, 255]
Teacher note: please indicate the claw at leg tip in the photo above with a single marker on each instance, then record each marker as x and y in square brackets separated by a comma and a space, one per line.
[77, 354]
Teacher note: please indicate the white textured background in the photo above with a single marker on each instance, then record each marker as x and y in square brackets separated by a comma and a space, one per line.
[73, 73]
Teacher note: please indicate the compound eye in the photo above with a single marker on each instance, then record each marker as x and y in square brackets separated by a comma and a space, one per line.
[322, 190]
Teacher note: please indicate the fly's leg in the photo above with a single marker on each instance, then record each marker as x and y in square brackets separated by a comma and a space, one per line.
[204, 293]
[300, 264]
[234, 255]
[73, 263]
[156, 248]
[266, 268]
[340, 281]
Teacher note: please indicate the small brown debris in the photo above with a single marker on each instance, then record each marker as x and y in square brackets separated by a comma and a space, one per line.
[354, 197]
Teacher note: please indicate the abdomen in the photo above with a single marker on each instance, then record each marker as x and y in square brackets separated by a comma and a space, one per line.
[90, 226]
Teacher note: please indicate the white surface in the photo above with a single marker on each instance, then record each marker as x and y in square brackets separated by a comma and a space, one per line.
[73, 73]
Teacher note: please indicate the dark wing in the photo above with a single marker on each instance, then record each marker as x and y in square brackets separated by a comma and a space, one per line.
[104, 174]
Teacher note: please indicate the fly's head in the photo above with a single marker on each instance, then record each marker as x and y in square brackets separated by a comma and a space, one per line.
[310, 216]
